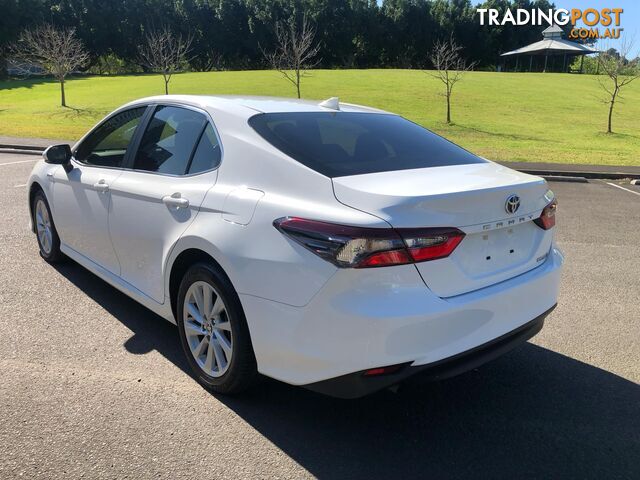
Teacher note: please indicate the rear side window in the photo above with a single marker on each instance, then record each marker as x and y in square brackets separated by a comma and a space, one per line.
[169, 140]
[207, 155]
[343, 143]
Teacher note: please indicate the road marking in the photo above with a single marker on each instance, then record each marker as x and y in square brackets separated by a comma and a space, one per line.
[622, 188]
[21, 185]
[20, 161]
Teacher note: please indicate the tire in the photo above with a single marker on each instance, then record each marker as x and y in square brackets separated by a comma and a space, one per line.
[206, 340]
[46, 233]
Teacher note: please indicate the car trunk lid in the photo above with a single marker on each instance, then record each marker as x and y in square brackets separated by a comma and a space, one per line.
[498, 245]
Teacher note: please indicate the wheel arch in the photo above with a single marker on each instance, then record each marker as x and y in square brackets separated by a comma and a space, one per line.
[33, 190]
[179, 266]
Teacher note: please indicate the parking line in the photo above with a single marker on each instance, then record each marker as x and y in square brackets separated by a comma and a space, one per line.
[622, 188]
[20, 161]
[21, 185]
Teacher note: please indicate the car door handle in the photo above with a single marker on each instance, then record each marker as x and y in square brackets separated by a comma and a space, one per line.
[175, 200]
[101, 186]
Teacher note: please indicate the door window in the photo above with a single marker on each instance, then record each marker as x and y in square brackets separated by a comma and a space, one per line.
[169, 140]
[207, 155]
[107, 145]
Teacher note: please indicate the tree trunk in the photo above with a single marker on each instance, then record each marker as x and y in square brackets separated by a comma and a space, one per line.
[613, 101]
[449, 107]
[63, 100]
[298, 82]
[166, 85]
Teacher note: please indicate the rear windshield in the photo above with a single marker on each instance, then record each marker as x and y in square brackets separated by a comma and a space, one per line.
[338, 144]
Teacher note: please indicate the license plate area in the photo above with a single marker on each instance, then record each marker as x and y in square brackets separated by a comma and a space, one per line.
[494, 251]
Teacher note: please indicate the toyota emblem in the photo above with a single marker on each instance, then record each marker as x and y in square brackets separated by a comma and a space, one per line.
[512, 204]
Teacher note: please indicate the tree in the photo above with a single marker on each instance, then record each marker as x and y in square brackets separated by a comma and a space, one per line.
[620, 71]
[232, 34]
[295, 52]
[450, 66]
[16, 16]
[164, 52]
[46, 50]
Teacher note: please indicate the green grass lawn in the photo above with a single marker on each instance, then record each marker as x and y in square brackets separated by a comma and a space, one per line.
[501, 116]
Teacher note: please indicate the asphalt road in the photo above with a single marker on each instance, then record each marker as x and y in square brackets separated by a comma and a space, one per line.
[93, 385]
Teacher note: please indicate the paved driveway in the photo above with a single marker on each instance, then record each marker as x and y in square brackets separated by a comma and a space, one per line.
[94, 385]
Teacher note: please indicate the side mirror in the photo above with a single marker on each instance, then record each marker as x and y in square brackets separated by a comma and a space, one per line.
[59, 155]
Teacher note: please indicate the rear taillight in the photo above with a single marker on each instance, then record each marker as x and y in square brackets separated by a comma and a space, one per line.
[547, 218]
[431, 243]
[361, 247]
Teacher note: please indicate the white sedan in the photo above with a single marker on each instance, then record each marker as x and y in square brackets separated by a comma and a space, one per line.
[328, 245]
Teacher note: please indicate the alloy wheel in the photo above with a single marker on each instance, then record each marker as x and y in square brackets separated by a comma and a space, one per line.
[43, 227]
[207, 328]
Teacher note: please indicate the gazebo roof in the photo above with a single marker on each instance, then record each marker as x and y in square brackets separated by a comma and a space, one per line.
[552, 31]
[553, 43]
[551, 46]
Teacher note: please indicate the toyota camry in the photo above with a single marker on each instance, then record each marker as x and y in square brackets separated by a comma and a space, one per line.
[324, 244]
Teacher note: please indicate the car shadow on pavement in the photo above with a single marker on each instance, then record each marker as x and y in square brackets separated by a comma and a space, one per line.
[150, 331]
[532, 413]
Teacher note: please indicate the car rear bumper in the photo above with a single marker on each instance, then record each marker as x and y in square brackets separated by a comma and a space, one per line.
[364, 319]
[358, 384]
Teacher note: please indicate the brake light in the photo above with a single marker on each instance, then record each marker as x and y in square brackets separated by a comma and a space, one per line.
[547, 218]
[431, 243]
[362, 247]
[379, 259]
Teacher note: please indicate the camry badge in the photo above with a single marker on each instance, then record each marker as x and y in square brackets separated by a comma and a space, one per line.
[512, 204]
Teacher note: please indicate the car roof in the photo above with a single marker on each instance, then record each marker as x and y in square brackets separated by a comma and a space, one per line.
[247, 105]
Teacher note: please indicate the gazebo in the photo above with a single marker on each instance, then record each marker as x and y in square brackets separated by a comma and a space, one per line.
[551, 46]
